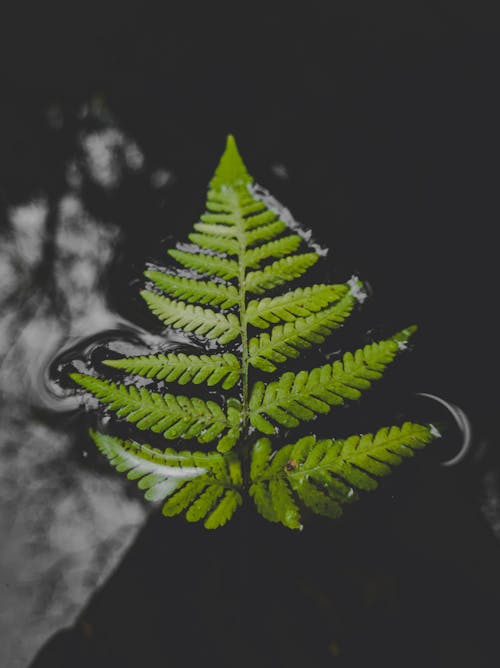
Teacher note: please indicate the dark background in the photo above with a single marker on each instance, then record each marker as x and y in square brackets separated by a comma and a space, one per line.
[385, 116]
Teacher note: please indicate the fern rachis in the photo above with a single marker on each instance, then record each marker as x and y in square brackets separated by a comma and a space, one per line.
[241, 254]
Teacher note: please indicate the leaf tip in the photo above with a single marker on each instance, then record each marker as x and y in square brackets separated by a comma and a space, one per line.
[95, 436]
[115, 363]
[146, 294]
[231, 143]
[401, 338]
[231, 170]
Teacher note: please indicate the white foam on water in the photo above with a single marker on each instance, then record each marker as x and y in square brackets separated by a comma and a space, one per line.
[263, 195]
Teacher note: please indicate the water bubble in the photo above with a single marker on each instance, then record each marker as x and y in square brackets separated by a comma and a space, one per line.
[356, 289]
[279, 170]
[263, 195]
[435, 431]
[461, 421]
[160, 178]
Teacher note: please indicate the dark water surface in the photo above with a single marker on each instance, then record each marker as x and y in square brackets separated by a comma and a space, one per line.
[379, 133]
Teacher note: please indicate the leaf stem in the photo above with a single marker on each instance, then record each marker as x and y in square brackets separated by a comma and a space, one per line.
[243, 314]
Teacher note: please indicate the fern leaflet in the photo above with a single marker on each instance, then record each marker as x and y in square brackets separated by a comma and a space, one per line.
[285, 341]
[179, 315]
[256, 232]
[278, 248]
[191, 290]
[295, 304]
[279, 272]
[300, 397]
[327, 474]
[206, 264]
[205, 485]
[215, 243]
[173, 416]
[182, 368]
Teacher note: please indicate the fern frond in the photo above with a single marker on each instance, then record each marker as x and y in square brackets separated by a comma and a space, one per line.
[173, 416]
[182, 368]
[182, 476]
[301, 397]
[285, 341]
[192, 290]
[298, 303]
[277, 249]
[244, 246]
[279, 272]
[202, 321]
[324, 475]
[206, 264]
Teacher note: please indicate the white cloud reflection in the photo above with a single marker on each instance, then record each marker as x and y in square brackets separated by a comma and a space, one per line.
[64, 527]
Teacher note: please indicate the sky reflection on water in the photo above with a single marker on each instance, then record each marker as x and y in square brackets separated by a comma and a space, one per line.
[64, 526]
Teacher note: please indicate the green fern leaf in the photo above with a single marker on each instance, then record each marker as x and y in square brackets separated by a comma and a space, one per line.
[182, 476]
[227, 218]
[182, 368]
[217, 230]
[222, 202]
[158, 473]
[279, 272]
[173, 416]
[241, 249]
[206, 264]
[278, 248]
[285, 507]
[240, 210]
[261, 227]
[215, 243]
[285, 341]
[191, 290]
[301, 397]
[179, 315]
[207, 500]
[325, 475]
[298, 303]
[231, 204]
[257, 232]
[224, 510]
[210, 498]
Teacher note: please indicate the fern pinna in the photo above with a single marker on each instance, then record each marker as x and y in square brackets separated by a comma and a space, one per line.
[241, 254]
